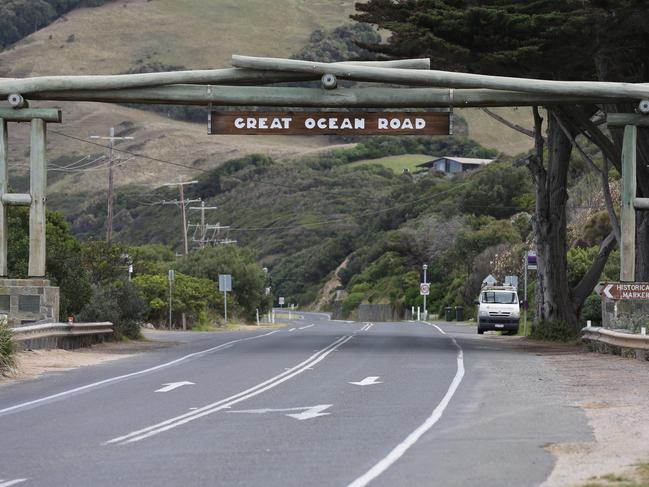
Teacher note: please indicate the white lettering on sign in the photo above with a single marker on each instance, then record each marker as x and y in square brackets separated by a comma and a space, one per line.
[263, 123]
[398, 124]
[334, 123]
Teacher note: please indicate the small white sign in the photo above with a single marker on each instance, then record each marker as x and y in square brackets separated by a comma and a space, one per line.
[281, 301]
[225, 282]
[424, 289]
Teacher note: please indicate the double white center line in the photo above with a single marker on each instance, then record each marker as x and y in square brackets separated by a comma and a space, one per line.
[367, 327]
[229, 401]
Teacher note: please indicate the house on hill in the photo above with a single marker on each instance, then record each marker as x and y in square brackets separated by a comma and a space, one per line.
[453, 165]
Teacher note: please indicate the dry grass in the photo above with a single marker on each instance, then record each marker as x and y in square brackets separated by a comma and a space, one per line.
[194, 33]
[491, 133]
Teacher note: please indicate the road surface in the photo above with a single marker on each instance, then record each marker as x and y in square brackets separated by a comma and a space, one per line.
[318, 403]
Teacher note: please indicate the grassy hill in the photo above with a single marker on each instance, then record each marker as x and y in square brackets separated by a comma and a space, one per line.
[196, 34]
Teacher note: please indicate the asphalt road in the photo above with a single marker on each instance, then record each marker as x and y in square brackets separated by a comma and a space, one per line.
[319, 402]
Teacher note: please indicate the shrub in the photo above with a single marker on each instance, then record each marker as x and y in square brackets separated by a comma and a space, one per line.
[592, 309]
[351, 303]
[7, 349]
[555, 331]
[120, 304]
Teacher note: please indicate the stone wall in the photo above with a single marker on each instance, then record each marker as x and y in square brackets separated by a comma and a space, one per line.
[625, 315]
[377, 312]
[27, 301]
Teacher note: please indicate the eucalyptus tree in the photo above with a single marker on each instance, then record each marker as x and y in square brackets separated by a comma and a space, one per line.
[606, 40]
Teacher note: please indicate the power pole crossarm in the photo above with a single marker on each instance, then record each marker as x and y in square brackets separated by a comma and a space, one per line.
[111, 191]
[183, 206]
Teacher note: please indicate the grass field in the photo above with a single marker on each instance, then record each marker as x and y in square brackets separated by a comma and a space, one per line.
[397, 163]
[195, 33]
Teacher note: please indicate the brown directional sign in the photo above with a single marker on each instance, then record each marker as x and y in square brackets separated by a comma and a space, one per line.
[624, 291]
[330, 123]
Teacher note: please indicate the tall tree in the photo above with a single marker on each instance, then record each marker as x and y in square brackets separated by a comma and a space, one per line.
[550, 39]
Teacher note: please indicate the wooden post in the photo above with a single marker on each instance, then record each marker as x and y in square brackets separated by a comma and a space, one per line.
[627, 221]
[38, 185]
[4, 175]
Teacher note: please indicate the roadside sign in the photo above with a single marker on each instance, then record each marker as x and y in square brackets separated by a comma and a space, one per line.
[511, 281]
[329, 123]
[171, 276]
[531, 260]
[623, 291]
[225, 283]
[489, 281]
[281, 301]
[424, 289]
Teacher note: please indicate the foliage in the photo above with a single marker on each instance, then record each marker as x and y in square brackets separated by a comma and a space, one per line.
[339, 44]
[190, 295]
[498, 190]
[510, 38]
[19, 18]
[248, 277]
[119, 303]
[351, 302]
[554, 331]
[7, 349]
[106, 262]
[63, 264]
[592, 309]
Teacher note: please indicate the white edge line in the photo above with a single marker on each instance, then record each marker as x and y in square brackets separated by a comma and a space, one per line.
[12, 482]
[398, 451]
[305, 327]
[228, 402]
[128, 376]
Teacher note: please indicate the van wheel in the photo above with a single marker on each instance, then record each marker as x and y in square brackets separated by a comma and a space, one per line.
[480, 331]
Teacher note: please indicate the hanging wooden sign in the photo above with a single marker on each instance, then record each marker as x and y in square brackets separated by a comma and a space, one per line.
[330, 123]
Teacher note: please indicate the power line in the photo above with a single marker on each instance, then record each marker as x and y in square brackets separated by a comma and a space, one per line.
[134, 154]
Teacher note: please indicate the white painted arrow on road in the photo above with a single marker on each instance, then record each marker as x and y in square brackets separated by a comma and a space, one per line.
[308, 412]
[368, 381]
[174, 385]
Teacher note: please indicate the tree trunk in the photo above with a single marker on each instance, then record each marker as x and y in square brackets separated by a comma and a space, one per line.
[553, 296]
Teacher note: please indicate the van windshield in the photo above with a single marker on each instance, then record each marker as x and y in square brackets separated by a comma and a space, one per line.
[500, 297]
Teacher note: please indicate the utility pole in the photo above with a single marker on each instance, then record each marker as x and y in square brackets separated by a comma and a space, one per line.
[111, 194]
[203, 228]
[183, 204]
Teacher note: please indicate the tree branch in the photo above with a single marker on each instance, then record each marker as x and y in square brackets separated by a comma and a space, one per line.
[615, 224]
[588, 282]
[507, 123]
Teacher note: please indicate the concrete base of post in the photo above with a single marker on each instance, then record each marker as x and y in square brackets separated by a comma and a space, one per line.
[29, 301]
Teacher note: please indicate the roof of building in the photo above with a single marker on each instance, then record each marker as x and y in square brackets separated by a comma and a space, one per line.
[461, 160]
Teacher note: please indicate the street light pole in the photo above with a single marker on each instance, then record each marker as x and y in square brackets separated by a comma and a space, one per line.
[425, 267]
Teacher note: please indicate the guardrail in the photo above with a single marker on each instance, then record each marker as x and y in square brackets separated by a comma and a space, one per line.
[63, 335]
[623, 340]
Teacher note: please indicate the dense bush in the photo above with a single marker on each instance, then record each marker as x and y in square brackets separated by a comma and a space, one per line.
[554, 331]
[7, 349]
[120, 304]
[196, 297]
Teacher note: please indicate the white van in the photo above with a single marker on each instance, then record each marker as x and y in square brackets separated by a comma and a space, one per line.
[498, 309]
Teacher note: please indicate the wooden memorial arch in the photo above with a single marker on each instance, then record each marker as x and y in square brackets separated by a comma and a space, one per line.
[406, 84]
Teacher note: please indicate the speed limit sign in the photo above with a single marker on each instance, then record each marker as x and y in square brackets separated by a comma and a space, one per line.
[424, 289]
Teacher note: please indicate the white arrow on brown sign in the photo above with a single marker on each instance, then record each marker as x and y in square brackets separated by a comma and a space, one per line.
[623, 291]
